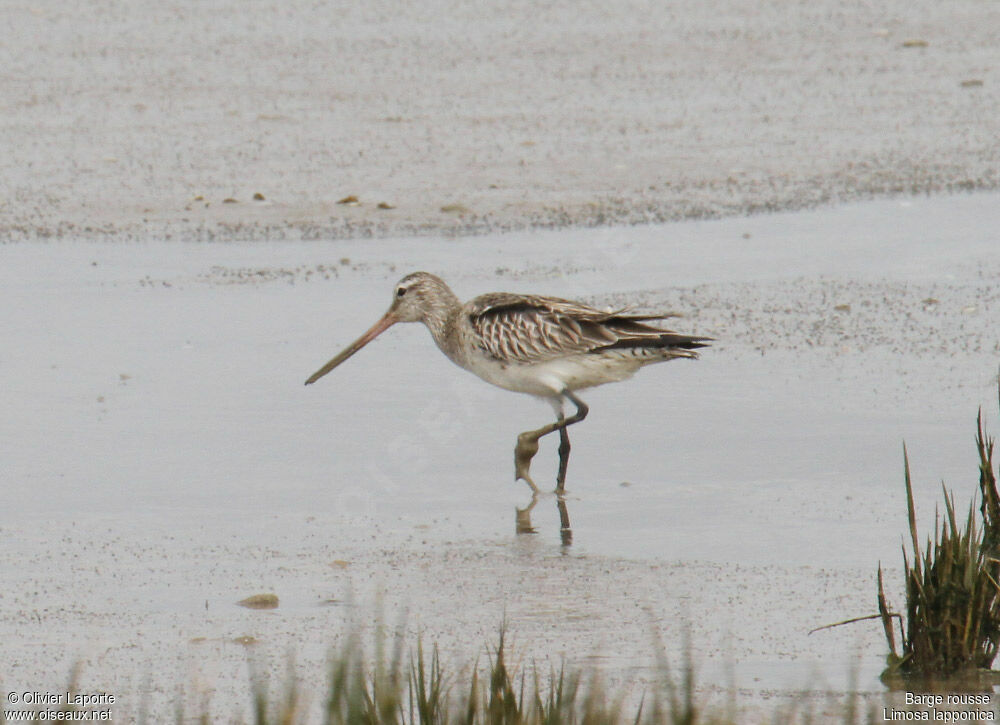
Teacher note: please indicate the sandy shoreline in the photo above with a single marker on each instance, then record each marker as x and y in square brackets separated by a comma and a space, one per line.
[140, 120]
[164, 460]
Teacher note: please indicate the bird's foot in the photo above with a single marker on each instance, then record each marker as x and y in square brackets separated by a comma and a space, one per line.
[527, 447]
[527, 479]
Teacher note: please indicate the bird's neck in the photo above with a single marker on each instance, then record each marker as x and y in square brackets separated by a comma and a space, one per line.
[440, 319]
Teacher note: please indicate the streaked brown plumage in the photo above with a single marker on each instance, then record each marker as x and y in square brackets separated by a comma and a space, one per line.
[544, 346]
[531, 328]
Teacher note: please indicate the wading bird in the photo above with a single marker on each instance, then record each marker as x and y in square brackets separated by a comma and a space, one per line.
[543, 346]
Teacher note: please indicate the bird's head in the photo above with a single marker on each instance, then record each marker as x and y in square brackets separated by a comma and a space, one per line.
[415, 298]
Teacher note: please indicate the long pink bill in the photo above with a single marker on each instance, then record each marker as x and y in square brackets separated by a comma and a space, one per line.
[377, 329]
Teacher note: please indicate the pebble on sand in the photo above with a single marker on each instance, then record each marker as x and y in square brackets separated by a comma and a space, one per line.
[260, 601]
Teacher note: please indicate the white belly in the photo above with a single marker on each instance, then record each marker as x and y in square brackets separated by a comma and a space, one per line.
[548, 379]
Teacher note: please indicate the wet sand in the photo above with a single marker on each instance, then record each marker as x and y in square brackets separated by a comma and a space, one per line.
[164, 460]
[141, 120]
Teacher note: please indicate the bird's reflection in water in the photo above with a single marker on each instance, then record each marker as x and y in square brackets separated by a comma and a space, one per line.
[523, 525]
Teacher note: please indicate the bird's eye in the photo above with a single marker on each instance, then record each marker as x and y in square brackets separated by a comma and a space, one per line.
[401, 291]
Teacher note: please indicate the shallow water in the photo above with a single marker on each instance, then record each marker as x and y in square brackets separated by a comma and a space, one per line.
[158, 435]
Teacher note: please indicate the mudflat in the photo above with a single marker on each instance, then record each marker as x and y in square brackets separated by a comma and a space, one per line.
[167, 118]
[164, 463]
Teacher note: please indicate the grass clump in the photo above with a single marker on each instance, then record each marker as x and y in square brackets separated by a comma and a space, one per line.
[420, 690]
[951, 632]
[356, 695]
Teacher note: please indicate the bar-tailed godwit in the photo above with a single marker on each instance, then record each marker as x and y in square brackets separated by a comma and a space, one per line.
[543, 346]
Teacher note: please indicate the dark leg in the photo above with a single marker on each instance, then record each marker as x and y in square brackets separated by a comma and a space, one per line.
[564, 449]
[527, 442]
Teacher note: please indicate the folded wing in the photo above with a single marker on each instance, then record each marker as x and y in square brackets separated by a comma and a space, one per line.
[531, 329]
